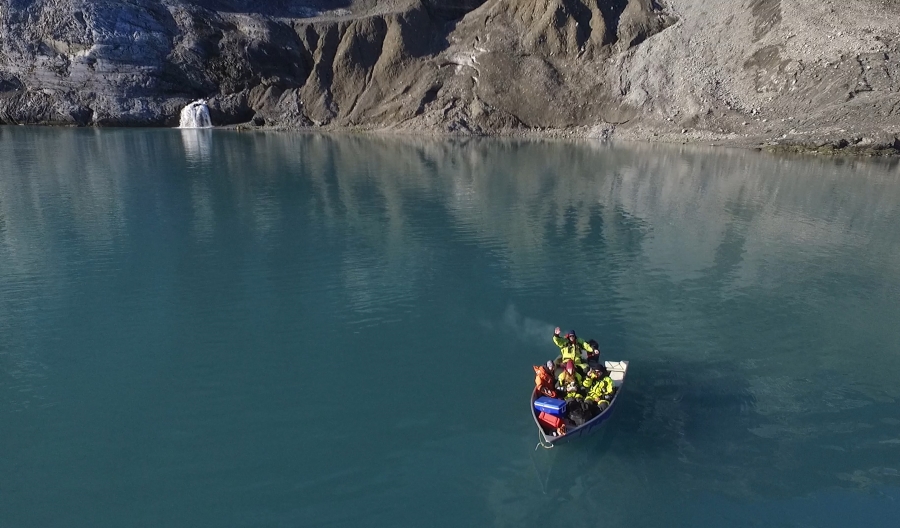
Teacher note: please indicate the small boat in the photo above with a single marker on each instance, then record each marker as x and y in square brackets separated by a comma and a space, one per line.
[548, 438]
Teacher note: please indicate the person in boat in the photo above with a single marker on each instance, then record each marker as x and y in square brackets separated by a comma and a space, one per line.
[600, 389]
[544, 379]
[571, 347]
[594, 356]
[570, 381]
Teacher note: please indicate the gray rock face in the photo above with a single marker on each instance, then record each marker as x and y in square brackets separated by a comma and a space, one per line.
[804, 72]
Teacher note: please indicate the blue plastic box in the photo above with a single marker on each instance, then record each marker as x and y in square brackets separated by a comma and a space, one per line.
[550, 405]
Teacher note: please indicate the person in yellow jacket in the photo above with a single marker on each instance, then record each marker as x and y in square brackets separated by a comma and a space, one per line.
[599, 389]
[570, 348]
[570, 381]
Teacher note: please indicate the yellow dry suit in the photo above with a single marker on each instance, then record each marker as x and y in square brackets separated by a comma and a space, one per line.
[599, 389]
[570, 383]
[572, 350]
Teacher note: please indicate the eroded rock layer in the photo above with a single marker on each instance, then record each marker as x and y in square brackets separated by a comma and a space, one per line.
[801, 71]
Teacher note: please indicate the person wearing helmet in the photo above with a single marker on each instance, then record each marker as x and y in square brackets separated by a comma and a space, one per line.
[570, 381]
[571, 348]
[543, 379]
[599, 389]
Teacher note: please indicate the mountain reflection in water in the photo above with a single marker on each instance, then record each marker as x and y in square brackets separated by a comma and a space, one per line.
[183, 293]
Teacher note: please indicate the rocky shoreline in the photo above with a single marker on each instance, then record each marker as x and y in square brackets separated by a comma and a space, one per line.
[782, 75]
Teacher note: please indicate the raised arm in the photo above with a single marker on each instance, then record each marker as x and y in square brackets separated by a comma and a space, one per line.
[558, 340]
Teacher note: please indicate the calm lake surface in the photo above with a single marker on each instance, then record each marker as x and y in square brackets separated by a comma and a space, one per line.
[221, 329]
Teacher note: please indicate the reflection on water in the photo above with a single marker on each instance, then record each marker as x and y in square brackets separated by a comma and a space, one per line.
[756, 297]
[197, 144]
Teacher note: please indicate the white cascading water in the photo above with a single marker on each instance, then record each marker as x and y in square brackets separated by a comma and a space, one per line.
[195, 115]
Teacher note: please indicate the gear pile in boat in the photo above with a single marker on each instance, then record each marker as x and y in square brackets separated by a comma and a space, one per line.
[574, 388]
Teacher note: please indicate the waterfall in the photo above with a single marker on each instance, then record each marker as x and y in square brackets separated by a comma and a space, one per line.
[195, 115]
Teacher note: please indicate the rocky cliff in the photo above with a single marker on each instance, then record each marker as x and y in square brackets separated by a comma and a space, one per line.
[791, 71]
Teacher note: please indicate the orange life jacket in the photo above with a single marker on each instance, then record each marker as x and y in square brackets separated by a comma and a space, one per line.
[544, 381]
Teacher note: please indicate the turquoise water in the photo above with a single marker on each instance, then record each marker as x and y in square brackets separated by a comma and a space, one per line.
[210, 328]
